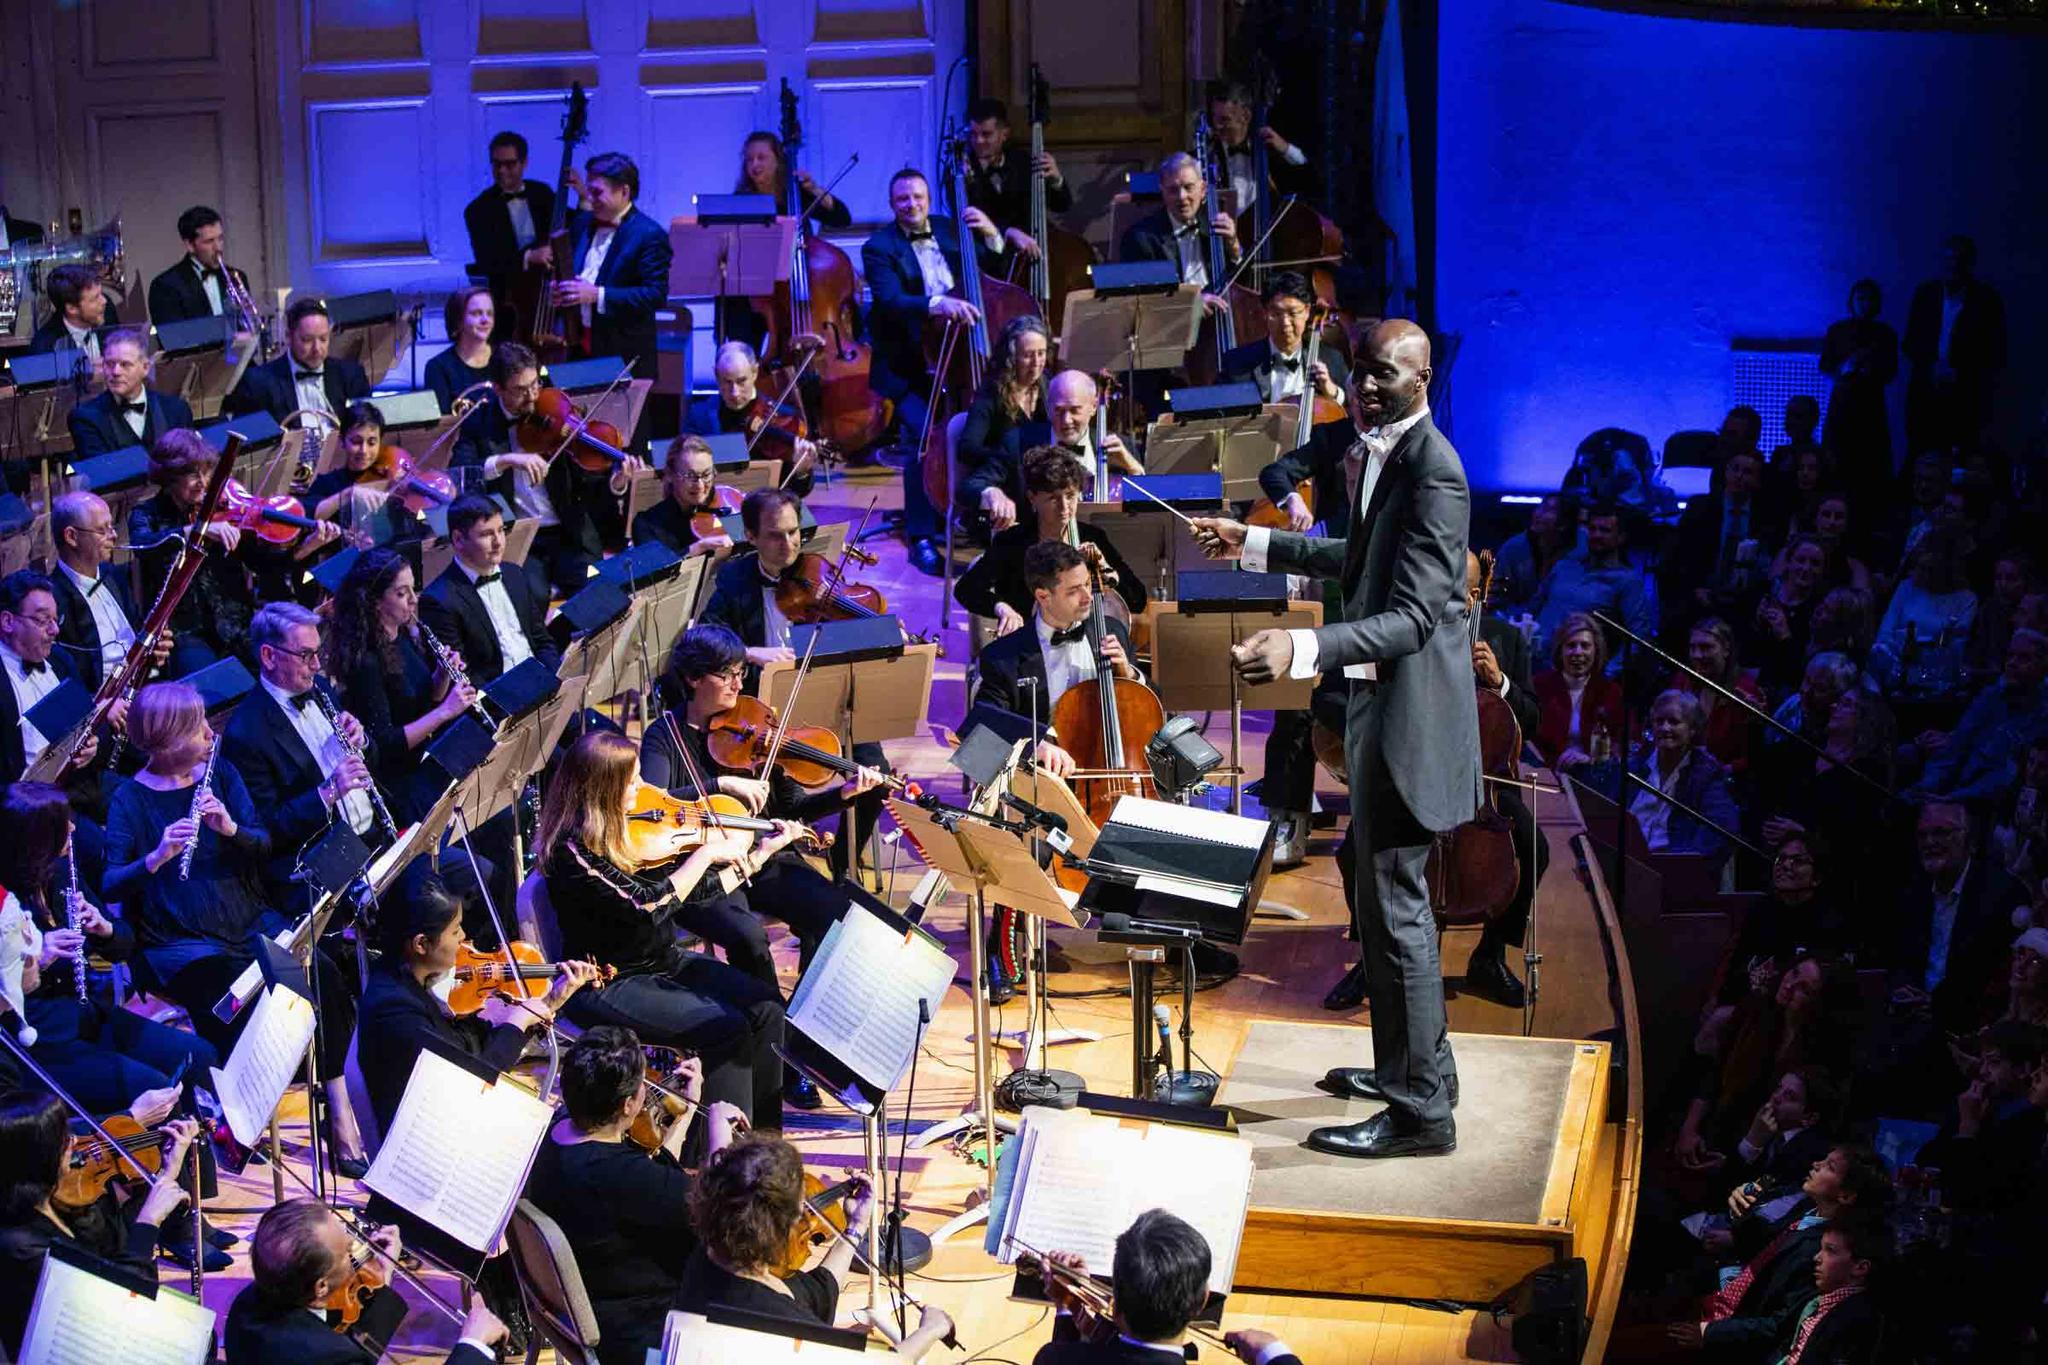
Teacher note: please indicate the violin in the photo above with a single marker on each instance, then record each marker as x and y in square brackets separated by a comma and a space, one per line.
[809, 755]
[1105, 723]
[650, 1127]
[812, 592]
[822, 1217]
[416, 489]
[479, 975]
[89, 1163]
[707, 521]
[367, 1275]
[558, 426]
[656, 819]
[279, 519]
[1473, 870]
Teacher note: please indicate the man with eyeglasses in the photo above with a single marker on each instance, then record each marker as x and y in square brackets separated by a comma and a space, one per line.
[29, 622]
[126, 413]
[1952, 921]
[688, 481]
[508, 221]
[99, 612]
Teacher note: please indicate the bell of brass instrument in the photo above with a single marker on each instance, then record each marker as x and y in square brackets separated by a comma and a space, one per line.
[242, 308]
[102, 249]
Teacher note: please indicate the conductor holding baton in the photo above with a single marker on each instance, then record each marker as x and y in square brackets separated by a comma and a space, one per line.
[1411, 740]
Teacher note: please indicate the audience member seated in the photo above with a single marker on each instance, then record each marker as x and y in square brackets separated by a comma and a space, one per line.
[2019, 832]
[1802, 427]
[2014, 578]
[1926, 626]
[1843, 1322]
[1798, 919]
[1949, 930]
[1676, 766]
[1824, 796]
[1724, 541]
[1782, 620]
[1730, 730]
[1845, 622]
[1582, 707]
[1596, 577]
[1611, 466]
[1524, 559]
[1833, 525]
[1987, 1148]
[1806, 712]
[1978, 760]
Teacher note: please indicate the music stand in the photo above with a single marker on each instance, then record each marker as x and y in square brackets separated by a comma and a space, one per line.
[1129, 332]
[1051, 794]
[1237, 447]
[718, 261]
[206, 375]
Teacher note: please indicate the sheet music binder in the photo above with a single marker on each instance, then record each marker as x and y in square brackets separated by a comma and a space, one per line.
[1159, 838]
[87, 1311]
[721, 1335]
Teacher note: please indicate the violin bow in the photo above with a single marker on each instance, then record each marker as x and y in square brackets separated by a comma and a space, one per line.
[860, 1254]
[810, 354]
[1099, 1297]
[803, 670]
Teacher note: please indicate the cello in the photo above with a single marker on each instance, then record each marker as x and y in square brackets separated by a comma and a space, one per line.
[1105, 723]
[1473, 870]
[553, 332]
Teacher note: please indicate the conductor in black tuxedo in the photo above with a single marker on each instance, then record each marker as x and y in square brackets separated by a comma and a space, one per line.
[487, 615]
[1278, 361]
[300, 1255]
[1160, 1282]
[912, 265]
[1411, 739]
[1955, 347]
[305, 377]
[620, 257]
[196, 286]
[125, 413]
[507, 221]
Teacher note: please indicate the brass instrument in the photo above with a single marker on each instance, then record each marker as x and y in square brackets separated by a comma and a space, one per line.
[348, 747]
[237, 304]
[101, 249]
[200, 791]
[457, 671]
[74, 899]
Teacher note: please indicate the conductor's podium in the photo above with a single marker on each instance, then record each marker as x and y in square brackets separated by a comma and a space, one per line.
[1531, 1170]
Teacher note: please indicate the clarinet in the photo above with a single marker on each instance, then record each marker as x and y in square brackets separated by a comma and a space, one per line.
[384, 820]
[457, 671]
[73, 899]
[200, 791]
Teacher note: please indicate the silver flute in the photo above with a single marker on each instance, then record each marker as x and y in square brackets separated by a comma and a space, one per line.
[200, 791]
[348, 747]
[457, 671]
[74, 900]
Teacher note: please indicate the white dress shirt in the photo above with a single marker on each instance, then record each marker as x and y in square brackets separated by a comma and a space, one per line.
[1379, 444]
[774, 625]
[593, 262]
[1284, 381]
[324, 745]
[1194, 263]
[1941, 930]
[1065, 665]
[209, 284]
[31, 683]
[931, 263]
[135, 418]
[521, 215]
[115, 632]
[311, 388]
[86, 340]
[512, 645]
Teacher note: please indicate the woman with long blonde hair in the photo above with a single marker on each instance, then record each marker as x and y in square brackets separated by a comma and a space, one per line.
[618, 910]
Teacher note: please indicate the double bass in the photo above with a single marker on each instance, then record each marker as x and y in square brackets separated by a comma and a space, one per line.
[554, 332]
[1061, 266]
[1241, 310]
[1105, 723]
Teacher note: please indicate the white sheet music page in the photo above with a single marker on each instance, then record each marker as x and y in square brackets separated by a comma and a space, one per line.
[1189, 822]
[1074, 1192]
[459, 1150]
[859, 999]
[1203, 1178]
[266, 1059]
[691, 1339]
[80, 1319]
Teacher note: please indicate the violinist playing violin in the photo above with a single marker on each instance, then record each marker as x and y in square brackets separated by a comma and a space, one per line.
[625, 1211]
[302, 1256]
[740, 406]
[354, 494]
[579, 510]
[994, 585]
[689, 485]
[1029, 669]
[747, 1204]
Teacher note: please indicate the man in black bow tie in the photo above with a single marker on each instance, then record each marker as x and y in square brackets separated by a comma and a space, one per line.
[1278, 362]
[28, 633]
[508, 221]
[306, 379]
[197, 286]
[126, 413]
[1230, 120]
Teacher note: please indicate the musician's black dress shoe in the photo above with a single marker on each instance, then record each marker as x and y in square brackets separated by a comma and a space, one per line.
[925, 558]
[1487, 976]
[1349, 992]
[1382, 1136]
[798, 1092]
[1357, 1083]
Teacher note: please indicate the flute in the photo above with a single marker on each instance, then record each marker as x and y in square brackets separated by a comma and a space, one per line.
[200, 791]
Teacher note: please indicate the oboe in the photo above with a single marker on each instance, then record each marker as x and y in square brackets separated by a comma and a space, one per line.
[73, 899]
[457, 671]
[348, 747]
[200, 791]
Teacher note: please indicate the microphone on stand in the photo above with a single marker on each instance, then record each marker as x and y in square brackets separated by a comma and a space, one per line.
[1164, 1021]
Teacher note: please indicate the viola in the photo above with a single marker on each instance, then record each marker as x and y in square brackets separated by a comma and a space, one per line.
[367, 1275]
[707, 520]
[416, 489]
[822, 1218]
[279, 519]
[480, 975]
[812, 591]
[650, 1127]
[809, 755]
[557, 424]
[660, 825]
[89, 1163]
[1105, 723]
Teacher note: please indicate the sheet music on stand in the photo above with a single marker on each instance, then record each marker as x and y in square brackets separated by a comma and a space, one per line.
[1074, 1180]
[1198, 867]
[857, 1003]
[87, 1312]
[265, 1061]
[734, 1336]
[452, 1104]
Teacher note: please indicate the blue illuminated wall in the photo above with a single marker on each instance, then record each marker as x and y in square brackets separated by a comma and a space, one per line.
[1619, 196]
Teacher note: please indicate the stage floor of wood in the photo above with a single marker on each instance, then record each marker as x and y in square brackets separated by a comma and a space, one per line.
[1287, 968]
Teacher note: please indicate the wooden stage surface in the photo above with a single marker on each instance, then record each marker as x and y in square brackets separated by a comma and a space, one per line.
[1287, 968]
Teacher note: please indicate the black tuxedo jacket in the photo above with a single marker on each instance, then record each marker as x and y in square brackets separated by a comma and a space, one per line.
[1067, 1348]
[1511, 652]
[708, 416]
[1976, 346]
[899, 307]
[735, 600]
[452, 608]
[269, 387]
[1008, 205]
[634, 278]
[13, 754]
[78, 639]
[258, 1333]
[97, 429]
[52, 337]
[1696, 552]
[177, 295]
[283, 780]
[1249, 364]
[494, 250]
[1007, 662]
[1151, 239]
[397, 1017]
[1976, 945]
[1004, 468]
[1322, 462]
[588, 513]
[998, 575]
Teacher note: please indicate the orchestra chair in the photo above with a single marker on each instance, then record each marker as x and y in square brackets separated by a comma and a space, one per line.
[535, 915]
[358, 1091]
[551, 1287]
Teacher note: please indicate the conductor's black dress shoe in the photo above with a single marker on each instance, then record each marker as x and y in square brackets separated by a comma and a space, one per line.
[1382, 1136]
[1357, 1083]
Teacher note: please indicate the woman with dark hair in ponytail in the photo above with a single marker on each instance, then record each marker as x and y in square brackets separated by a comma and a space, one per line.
[35, 1130]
